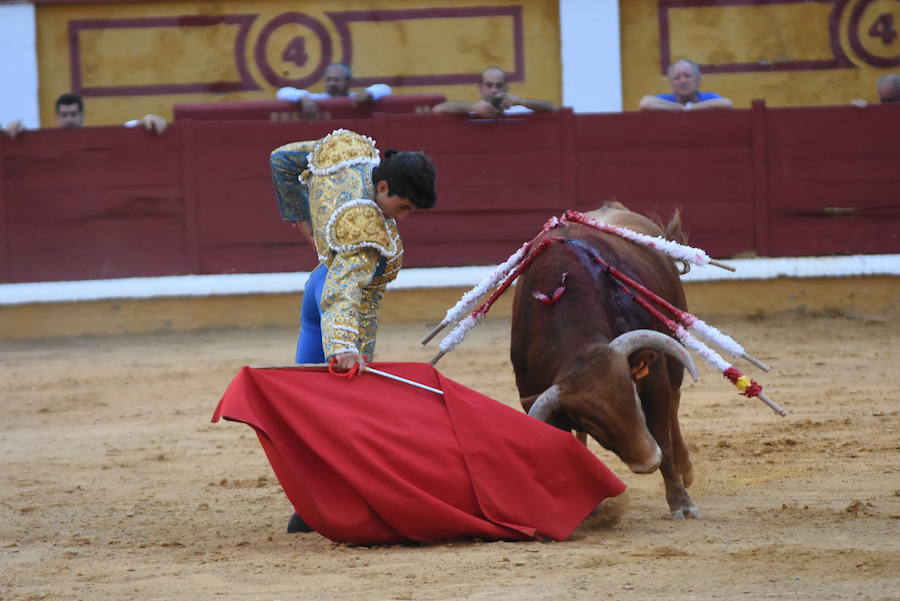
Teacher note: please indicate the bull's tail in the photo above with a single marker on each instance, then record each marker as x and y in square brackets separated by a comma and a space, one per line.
[673, 230]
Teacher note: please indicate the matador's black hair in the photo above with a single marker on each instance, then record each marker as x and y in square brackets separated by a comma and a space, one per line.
[408, 174]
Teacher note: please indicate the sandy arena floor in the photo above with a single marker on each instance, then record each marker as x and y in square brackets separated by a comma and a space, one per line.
[115, 486]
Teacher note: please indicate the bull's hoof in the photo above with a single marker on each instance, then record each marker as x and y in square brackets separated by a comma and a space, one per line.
[685, 513]
[296, 524]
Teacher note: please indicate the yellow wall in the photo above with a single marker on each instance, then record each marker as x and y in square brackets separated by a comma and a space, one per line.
[728, 32]
[186, 54]
[721, 31]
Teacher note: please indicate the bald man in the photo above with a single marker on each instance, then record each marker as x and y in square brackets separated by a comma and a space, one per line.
[684, 76]
[337, 85]
[888, 89]
[495, 99]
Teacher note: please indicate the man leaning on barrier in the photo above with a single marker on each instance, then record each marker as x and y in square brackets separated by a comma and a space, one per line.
[888, 89]
[684, 75]
[337, 85]
[495, 99]
[70, 113]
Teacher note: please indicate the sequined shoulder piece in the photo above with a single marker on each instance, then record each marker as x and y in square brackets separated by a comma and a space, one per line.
[342, 148]
[359, 224]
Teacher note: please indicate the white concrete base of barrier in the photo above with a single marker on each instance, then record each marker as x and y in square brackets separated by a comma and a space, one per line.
[411, 278]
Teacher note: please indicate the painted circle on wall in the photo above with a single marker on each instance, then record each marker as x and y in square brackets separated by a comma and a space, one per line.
[293, 49]
[874, 32]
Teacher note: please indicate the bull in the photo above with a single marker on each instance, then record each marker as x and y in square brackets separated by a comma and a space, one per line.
[589, 359]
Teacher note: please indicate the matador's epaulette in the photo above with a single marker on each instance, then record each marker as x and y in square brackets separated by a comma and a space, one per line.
[341, 148]
[360, 224]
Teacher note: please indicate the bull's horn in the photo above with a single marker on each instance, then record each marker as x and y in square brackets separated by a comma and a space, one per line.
[546, 404]
[631, 341]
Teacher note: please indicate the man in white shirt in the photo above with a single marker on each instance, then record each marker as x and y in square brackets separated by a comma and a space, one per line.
[495, 99]
[337, 85]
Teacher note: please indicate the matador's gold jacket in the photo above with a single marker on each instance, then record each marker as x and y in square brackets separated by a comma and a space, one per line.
[358, 244]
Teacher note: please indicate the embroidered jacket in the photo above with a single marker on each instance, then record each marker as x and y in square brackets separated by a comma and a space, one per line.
[358, 244]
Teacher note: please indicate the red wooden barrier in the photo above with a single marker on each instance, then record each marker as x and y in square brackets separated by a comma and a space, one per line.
[655, 162]
[116, 202]
[834, 174]
[92, 203]
[329, 108]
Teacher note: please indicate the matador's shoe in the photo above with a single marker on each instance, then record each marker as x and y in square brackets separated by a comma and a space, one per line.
[296, 524]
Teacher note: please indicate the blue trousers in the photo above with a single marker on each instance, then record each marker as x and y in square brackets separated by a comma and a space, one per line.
[309, 341]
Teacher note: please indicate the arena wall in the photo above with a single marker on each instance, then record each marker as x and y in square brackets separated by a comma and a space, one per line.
[853, 296]
[115, 202]
[790, 52]
[128, 57]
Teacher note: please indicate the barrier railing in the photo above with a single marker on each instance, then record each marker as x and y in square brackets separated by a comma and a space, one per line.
[103, 202]
[329, 108]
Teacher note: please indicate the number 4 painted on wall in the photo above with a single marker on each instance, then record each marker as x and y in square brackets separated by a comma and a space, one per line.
[883, 28]
[295, 51]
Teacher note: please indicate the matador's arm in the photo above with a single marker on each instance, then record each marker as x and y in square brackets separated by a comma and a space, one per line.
[287, 163]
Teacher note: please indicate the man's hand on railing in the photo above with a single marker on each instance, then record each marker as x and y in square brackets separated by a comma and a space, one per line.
[14, 128]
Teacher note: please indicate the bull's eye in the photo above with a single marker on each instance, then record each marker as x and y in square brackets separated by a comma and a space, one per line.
[596, 428]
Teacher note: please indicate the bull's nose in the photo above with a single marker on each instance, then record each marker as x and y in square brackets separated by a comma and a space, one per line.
[650, 466]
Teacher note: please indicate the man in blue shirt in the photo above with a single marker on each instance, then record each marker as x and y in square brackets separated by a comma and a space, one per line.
[684, 76]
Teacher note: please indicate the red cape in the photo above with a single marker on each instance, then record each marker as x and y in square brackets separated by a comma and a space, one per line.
[371, 460]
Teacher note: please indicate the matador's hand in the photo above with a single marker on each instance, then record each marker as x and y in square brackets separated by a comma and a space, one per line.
[346, 361]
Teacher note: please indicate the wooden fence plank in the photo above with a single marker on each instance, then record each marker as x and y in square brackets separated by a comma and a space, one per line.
[4, 227]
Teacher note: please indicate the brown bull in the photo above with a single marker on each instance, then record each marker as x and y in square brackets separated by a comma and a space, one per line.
[590, 359]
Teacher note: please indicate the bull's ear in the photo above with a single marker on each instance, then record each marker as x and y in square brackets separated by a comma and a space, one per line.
[640, 362]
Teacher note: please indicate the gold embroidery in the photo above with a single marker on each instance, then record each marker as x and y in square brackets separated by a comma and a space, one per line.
[329, 192]
[342, 146]
[359, 236]
[362, 224]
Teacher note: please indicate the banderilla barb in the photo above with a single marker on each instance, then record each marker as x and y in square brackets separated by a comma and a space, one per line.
[453, 339]
[500, 274]
[640, 294]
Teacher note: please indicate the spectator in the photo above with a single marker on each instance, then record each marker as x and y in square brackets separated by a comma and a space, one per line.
[888, 89]
[337, 85]
[70, 110]
[70, 113]
[495, 99]
[684, 75]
